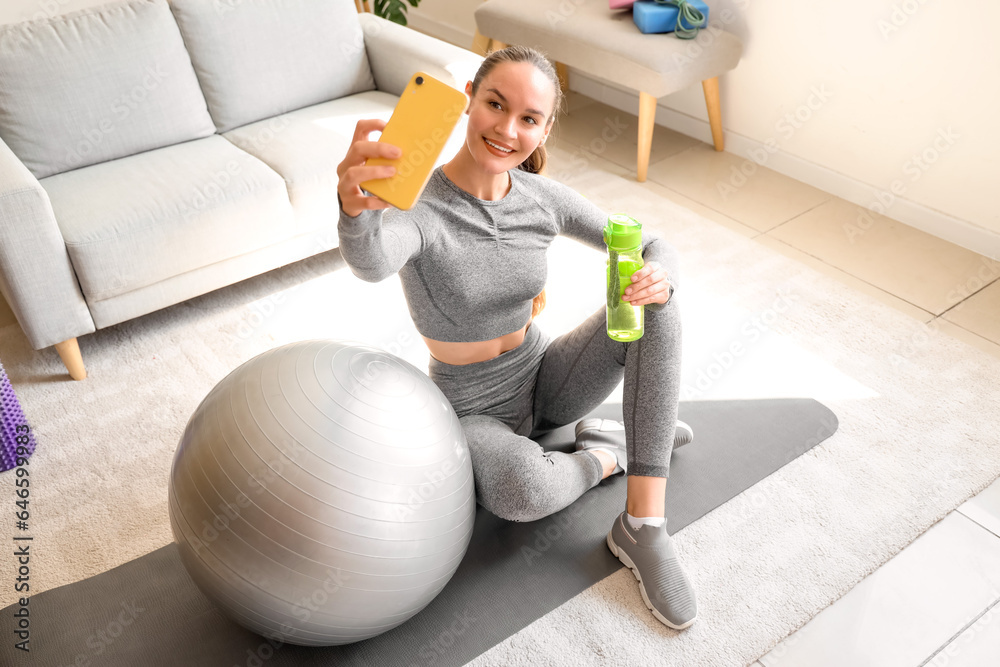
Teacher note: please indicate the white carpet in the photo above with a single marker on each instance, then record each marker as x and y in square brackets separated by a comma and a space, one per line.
[917, 434]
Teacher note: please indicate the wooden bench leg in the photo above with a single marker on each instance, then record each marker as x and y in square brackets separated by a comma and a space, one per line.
[69, 352]
[480, 43]
[647, 119]
[563, 73]
[711, 88]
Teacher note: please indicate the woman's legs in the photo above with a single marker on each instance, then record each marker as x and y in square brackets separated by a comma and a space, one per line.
[581, 368]
[516, 479]
[573, 378]
[540, 386]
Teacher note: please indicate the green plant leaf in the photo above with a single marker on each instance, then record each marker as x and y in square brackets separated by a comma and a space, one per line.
[394, 10]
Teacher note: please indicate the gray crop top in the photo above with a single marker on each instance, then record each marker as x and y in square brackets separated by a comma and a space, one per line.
[471, 267]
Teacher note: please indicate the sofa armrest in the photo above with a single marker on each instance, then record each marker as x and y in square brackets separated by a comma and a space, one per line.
[395, 52]
[36, 277]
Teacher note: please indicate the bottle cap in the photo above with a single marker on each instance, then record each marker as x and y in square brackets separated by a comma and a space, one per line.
[623, 232]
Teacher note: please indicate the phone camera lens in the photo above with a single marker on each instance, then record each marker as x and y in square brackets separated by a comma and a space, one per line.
[419, 80]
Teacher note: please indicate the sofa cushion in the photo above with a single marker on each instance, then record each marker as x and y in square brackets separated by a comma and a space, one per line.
[96, 85]
[305, 147]
[144, 218]
[259, 58]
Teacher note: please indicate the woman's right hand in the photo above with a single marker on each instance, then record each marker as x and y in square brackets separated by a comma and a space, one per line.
[352, 171]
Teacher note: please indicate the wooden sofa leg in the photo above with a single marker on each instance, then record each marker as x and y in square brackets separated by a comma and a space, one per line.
[69, 352]
[647, 119]
[711, 87]
[495, 45]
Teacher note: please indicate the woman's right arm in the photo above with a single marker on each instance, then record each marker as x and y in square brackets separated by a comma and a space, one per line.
[374, 248]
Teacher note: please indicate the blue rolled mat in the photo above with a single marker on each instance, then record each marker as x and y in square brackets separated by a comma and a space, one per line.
[653, 17]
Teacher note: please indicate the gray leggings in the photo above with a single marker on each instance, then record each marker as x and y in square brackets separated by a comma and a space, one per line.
[543, 384]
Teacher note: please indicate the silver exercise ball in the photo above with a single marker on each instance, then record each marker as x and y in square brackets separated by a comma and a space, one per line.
[322, 493]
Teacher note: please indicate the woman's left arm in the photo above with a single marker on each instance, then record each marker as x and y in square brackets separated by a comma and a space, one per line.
[655, 282]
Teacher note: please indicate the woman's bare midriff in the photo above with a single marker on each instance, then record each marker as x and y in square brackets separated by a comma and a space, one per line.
[460, 354]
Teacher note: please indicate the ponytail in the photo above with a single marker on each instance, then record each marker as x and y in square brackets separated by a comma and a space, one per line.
[535, 164]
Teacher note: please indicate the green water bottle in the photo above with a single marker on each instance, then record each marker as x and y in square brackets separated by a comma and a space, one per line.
[623, 235]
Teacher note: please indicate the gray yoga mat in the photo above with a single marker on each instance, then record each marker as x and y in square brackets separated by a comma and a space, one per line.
[149, 612]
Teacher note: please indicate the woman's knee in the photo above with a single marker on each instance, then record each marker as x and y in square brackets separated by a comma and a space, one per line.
[511, 495]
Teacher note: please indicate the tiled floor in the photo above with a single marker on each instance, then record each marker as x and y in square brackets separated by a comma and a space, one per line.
[938, 601]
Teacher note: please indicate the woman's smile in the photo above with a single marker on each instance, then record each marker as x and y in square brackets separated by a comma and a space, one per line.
[498, 148]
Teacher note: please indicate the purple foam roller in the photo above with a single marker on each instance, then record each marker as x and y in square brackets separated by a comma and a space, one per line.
[12, 421]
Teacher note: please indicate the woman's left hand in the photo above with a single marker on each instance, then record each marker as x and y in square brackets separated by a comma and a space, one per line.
[650, 284]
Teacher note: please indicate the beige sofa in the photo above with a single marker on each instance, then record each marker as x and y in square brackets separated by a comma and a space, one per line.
[152, 151]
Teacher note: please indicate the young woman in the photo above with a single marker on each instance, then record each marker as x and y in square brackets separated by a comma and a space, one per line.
[471, 256]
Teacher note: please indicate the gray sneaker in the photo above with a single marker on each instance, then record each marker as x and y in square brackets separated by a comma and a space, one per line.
[610, 433]
[665, 587]
[605, 434]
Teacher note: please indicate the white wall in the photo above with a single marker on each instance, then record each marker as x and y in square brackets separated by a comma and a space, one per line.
[896, 75]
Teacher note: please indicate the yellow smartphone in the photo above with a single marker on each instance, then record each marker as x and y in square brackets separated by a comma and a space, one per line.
[421, 124]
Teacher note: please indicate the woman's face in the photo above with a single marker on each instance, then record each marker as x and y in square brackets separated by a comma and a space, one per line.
[509, 115]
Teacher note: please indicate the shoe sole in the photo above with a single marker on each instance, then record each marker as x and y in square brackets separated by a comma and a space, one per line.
[683, 435]
[623, 557]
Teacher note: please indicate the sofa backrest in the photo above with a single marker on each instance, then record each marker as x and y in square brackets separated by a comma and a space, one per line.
[96, 85]
[259, 58]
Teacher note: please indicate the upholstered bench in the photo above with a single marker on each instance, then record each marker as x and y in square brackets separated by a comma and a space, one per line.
[605, 43]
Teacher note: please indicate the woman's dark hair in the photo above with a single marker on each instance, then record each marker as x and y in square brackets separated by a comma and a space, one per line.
[522, 54]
